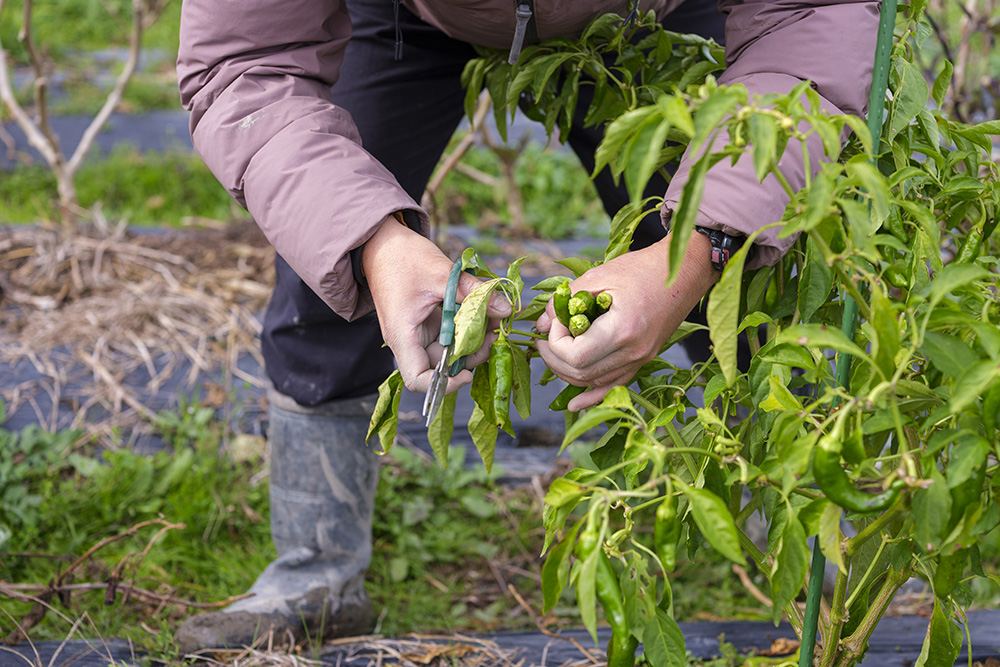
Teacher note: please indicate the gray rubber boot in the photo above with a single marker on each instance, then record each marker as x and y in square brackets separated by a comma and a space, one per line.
[323, 481]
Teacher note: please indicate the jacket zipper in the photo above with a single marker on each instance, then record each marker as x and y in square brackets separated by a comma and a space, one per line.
[525, 29]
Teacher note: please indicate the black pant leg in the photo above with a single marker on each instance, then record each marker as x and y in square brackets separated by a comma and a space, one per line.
[406, 111]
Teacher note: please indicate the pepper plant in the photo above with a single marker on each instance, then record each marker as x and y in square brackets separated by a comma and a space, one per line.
[894, 470]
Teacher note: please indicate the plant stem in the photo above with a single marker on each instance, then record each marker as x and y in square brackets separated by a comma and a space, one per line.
[854, 645]
[838, 615]
[868, 573]
[853, 544]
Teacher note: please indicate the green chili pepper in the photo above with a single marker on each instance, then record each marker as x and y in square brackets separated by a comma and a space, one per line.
[854, 447]
[622, 645]
[603, 300]
[561, 401]
[894, 223]
[583, 303]
[896, 277]
[501, 378]
[578, 324]
[560, 302]
[971, 245]
[837, 486]
[667, 530]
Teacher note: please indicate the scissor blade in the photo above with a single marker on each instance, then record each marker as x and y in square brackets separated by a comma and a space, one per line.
[436, 390]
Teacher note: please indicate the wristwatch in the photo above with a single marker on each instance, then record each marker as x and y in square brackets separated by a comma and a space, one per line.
[723, 246]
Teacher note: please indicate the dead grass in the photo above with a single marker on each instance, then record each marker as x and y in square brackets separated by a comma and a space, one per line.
[92, 312]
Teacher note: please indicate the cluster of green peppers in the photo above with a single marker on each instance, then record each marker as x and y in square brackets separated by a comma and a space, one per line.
[578, 310]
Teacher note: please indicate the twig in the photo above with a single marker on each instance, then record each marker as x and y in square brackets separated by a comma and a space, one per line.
[544, 630]
[750, 586]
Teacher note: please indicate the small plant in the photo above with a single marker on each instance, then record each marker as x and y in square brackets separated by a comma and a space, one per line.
[39, 132]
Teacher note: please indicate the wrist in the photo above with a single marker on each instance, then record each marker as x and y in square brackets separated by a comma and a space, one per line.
[391, 231]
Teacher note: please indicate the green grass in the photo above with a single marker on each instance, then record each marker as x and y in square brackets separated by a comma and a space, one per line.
[166, 188]
[143, 188]
[64, 27]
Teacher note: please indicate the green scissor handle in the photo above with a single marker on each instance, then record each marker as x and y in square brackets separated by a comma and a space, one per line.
[448, 310]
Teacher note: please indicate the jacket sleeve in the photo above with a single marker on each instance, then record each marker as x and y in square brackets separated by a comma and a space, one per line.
[772, 45]
[256, 77]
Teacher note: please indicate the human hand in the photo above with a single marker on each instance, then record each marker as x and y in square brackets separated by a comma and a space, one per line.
[407, 275]
[643, 316]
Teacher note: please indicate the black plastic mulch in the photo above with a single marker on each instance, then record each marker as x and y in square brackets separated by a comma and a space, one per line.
[896, 643]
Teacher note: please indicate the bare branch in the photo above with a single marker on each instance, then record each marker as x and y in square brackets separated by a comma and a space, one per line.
[31, 130]
[115, 96]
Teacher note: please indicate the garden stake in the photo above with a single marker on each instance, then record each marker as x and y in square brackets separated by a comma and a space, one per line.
[876, 106]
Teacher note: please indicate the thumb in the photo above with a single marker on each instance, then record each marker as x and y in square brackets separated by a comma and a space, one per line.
[498, 305]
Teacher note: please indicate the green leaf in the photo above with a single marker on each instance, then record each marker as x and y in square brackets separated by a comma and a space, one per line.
[943, 641]
[617, 133]
[715, 522]
[780, 398]
[683, 218]
[484, 435]
[815, 283]
[763, 131]
[941, 83]
[588, 420]
[951, 278]
[663, 642]
[623, 226]
[576, 265]
[496, 84]
[440, 429]
[951, 355]
[723, 313]
[521, 380]
[821, 336]
[965, 457]
[830, 536]
[720, 103]
[470, 320]
[908, 99]
[886, 343]
[972, 383]
[931, 511]
[563, 491]
[482, 422]
[790, 566]
[874, 184]
[641, 167]
[676, 111]
[555, 571]
[385, 417]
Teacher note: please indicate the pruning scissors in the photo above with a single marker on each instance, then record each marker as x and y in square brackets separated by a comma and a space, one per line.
[443, 370]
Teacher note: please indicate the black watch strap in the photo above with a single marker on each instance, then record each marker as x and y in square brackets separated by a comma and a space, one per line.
[723, 246]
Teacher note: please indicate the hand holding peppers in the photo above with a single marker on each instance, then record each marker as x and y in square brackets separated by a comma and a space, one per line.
[644, 315]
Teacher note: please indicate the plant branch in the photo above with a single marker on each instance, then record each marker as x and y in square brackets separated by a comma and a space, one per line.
[36, 138]
[853, 544]
[115, 96]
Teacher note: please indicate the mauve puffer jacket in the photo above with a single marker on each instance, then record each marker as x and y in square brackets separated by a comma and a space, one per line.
[256, 77]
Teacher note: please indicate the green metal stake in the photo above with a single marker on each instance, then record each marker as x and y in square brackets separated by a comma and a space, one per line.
[849, 323]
